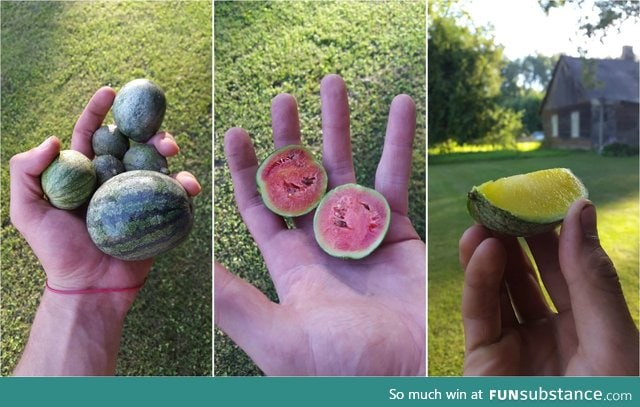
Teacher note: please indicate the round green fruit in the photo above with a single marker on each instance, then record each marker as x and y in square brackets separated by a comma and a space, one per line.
[145, 157]
[107, 166]
[525, 204]
[290, 181]
[351, 221]
[108, 140]
[137, 215]
[139, 108]
[69, 180]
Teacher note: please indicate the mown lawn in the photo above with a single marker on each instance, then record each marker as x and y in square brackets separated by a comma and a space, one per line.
[613, 187]
[55, 55]
[262, 49]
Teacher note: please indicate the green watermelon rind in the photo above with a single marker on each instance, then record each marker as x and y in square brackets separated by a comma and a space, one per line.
[107, 167]
[138, 109]
[502, 221]
[354, 255]
[262, 188]
[108, 140]
[69, 181]
[145, 157]
[139, 214]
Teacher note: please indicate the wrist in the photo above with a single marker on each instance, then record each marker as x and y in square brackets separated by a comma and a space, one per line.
[111, 303]
[75, 335]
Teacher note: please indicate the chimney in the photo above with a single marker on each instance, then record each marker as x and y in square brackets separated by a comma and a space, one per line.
[627, 53]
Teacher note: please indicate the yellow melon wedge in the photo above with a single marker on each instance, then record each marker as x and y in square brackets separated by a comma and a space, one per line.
[525, 204]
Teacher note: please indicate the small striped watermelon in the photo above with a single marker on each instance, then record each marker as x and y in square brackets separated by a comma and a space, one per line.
[69, 180]
[139, 214]
[139, 109]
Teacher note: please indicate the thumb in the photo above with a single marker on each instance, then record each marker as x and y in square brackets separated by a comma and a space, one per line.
[599, 308]
[246, 315]
[27, 201]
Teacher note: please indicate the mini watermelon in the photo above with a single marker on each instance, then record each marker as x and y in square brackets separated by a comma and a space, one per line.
[108, 140]
[107, 166]
[139, 109]
[145, 157]
[139, 214]
[351, 221]
[69, 180]
[290, 181]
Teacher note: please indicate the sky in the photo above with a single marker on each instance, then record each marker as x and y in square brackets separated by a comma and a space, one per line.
[523, 28]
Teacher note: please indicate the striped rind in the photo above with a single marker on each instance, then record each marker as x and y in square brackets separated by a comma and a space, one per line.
[502, 221]
[69, 180]
[139, 214]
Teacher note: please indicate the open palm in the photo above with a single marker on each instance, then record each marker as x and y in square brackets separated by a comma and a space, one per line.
[335, 317]
[59, 238]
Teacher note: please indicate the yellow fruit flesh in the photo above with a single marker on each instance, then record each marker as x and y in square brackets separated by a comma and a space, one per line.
[541, 196]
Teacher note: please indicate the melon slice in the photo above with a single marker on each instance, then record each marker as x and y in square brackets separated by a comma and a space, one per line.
[525, 204]
[351, 221]
[290, 181]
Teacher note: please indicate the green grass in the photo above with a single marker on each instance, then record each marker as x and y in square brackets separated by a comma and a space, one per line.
[55, 55]
[262, 49]
[613, 187]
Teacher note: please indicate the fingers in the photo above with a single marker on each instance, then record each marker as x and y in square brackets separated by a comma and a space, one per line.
[91, 119]
[284, 120]
[243, 164]
[336, 139]
[188, 182]
[27, 201]
[394, 169]
[599, 308]
[245, 314]
[481, 294]
[470, 241]
[165, 144]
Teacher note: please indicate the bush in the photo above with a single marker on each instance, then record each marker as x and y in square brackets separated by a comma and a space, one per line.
[619, 150]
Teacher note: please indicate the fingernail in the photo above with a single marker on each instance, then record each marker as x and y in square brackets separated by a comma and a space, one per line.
[588, 221]
[47, 142]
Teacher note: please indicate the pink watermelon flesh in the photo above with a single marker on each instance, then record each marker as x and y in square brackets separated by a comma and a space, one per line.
[351, 221]
[291, 181]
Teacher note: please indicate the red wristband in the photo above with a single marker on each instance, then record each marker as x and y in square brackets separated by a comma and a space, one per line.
[93, 290]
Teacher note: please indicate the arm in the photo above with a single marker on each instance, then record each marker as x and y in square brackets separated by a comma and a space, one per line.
[75, 335]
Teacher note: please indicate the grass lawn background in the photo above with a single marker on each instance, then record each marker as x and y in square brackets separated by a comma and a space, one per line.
[613, 187]
[55, 55]
[263, 49]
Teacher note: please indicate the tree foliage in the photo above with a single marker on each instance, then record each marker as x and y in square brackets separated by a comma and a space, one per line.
[464, 77]
[522, 87]
[610, 14]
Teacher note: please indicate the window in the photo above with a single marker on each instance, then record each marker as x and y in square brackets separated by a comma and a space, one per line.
[575, 124]
[554, 125]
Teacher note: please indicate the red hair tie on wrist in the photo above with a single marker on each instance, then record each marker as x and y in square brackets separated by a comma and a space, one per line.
[93, 290]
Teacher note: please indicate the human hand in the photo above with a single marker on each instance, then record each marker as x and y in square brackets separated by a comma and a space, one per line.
[59, 238]
[335, 317]
[509, 327]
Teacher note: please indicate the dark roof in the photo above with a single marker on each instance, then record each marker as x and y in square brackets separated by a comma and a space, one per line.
[615, 79]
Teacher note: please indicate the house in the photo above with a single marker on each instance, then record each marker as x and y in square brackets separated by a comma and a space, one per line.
[591, 103]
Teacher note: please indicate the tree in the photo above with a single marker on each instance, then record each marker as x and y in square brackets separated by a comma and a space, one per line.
[523, 82]
[464, 78]
[610, 14]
